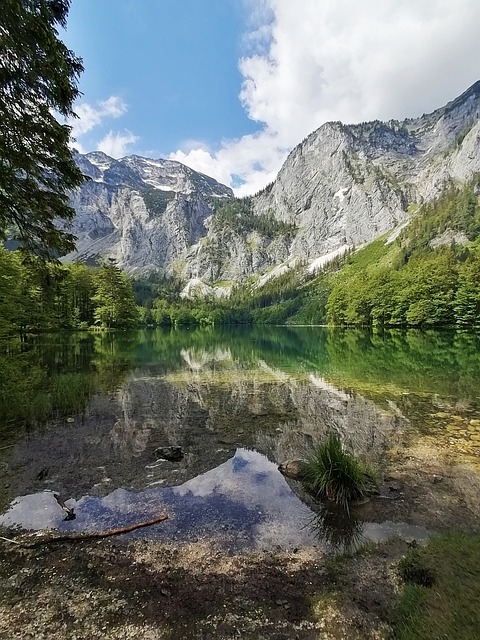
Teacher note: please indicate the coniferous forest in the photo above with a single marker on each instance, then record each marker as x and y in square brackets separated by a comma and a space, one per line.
[428, 276]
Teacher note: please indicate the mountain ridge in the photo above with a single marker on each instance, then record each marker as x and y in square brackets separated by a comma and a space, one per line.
[343, 186]
[144, 213]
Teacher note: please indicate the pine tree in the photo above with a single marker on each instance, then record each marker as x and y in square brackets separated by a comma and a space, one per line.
[114, 298]
[38, 83]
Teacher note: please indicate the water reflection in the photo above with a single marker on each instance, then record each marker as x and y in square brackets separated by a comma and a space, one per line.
[113, 443]
[340, 529]
[343, 531]
[244, 503]
[98, 405]
[390, 363]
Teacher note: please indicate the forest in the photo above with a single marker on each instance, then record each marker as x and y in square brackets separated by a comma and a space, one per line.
[38, 296]
[428, 276]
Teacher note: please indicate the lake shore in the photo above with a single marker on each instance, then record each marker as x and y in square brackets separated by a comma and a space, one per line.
[153, 590]
[235, 559]
[129, 589]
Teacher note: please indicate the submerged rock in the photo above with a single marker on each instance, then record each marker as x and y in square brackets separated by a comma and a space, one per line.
[292, 468]
[173, 453]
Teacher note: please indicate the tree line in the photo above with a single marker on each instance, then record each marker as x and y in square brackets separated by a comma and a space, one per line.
[423, 279]
[37, 295]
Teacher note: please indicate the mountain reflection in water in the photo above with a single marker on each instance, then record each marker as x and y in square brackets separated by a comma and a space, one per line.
[84, 414]
[245, 503]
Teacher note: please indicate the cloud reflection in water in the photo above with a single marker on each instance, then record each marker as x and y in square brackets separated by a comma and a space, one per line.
[245, 503]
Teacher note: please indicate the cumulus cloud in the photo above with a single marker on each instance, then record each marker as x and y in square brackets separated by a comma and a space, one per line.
[247, 164]
[116, 145]
[90, 116]
[308, 62]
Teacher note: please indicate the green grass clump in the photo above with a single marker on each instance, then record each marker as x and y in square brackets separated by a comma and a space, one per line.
[413, 570]
[69, 392]
[442, 590]
[333, 474]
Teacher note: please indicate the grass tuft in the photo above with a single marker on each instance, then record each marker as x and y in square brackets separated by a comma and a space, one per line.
[414, 570]
[448, 606]
[333, 474]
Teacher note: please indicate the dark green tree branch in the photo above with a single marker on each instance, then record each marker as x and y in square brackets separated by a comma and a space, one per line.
[38, 84]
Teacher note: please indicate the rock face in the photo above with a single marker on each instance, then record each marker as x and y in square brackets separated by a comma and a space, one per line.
[225, 254]
[348, 184]
[343, 186]
[335, 192]
[144, 213]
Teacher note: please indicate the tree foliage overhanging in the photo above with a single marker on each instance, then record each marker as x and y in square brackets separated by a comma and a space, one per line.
[38, 83]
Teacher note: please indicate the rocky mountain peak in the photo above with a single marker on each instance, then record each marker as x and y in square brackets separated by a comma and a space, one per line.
[341, 187]
[144, 213]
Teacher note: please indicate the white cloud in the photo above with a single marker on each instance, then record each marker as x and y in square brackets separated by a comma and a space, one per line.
[238, 161]
[113, 144]
[309, 62]
[90, 117]
[116, 145]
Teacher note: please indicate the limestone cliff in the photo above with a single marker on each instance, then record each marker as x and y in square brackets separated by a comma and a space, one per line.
[144, 213]
[343, 186]
[350, 184]
[346, 185]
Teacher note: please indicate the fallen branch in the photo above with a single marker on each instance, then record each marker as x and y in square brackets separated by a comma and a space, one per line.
[95, 535]
[10, 540]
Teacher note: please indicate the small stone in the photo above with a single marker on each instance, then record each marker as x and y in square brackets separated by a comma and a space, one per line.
[165, 592]
[394, 487]
[173, 453]
[292, 468]
[70, 420]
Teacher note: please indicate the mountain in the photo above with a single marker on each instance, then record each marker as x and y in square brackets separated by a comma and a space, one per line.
[351, 183]
[144, 213]
[341, 187]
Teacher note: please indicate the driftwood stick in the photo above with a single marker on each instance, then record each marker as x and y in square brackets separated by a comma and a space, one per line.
[10, 540]
[75, 537]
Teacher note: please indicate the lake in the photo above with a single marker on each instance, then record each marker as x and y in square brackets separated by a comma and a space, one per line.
[82, 414]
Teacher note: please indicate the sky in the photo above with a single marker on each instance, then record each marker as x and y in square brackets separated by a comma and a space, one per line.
[229, 87]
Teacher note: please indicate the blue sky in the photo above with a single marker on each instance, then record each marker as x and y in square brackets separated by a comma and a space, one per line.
[230, 86]
[173, 64]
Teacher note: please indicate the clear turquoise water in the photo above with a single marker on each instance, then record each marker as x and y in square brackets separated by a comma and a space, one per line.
[82, 414]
